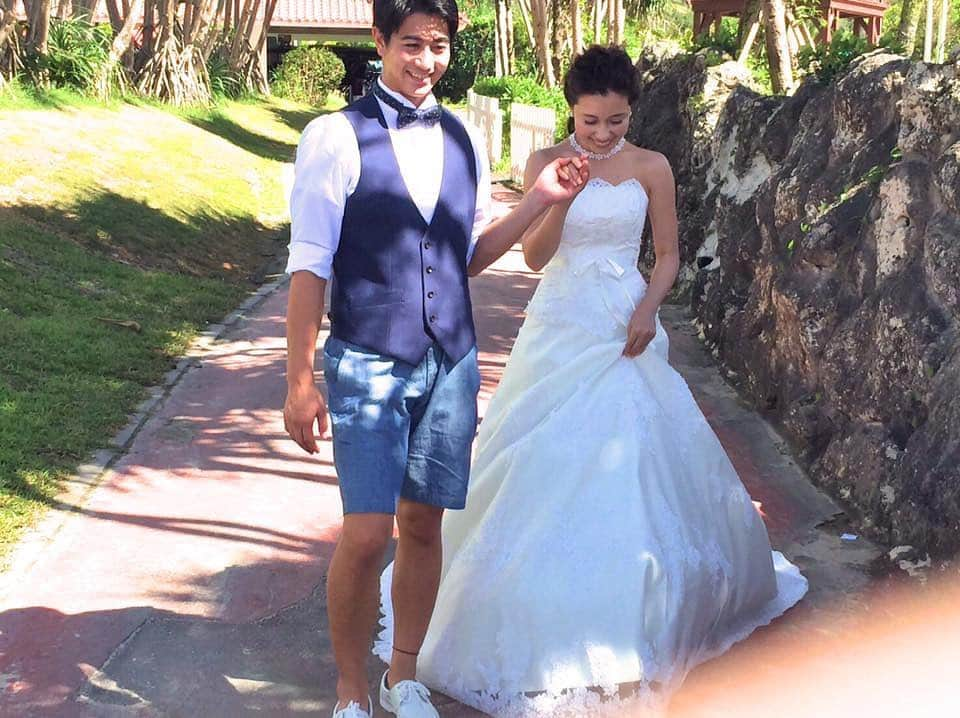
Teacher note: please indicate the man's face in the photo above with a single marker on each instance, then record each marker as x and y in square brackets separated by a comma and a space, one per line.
[415, 57]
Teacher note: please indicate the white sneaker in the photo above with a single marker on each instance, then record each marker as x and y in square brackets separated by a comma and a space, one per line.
[407, 699]
[353, 710]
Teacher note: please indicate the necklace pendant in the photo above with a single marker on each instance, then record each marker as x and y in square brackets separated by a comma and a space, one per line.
[578, 148]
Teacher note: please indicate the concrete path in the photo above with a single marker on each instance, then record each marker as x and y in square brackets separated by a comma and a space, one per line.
[190, 580]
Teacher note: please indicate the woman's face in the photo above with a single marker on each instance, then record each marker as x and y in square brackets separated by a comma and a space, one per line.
[600, 121]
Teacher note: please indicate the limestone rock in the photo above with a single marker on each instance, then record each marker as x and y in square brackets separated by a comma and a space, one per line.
[820, 237]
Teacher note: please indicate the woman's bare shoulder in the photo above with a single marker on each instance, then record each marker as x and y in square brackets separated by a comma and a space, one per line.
[546, 155]
[652, 168]
[644, 158]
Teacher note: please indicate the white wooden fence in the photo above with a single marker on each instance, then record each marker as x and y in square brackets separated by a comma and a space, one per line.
[531, 128]
[484, 112]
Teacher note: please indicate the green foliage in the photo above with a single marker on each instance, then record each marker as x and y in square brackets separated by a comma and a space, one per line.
[472, 57]
[526, 90]
[224, 82]
[524, 56]
[661, 20]
[720, 46]
[22, 94]
[827, 62]
[760, 69]
[308, 74]
[76, 52]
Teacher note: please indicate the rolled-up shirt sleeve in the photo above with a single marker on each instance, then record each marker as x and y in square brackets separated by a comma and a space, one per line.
[325, 175]
[483, 213]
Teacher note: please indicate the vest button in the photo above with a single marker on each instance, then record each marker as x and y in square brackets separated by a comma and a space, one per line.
[429, 270]
[433, 318]
[426, 245]
[431, 295]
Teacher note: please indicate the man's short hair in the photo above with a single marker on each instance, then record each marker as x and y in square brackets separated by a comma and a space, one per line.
[389, 15]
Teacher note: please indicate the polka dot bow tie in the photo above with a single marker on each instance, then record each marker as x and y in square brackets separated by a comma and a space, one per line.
[407, 115]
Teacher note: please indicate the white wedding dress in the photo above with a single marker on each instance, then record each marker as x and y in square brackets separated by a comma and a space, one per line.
[607, 540]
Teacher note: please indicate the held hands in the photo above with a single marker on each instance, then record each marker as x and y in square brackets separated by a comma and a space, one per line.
[640, 331]
[562, 179]
[304, 406]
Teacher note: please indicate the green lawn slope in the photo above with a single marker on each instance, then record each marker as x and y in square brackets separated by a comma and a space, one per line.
[129, 213]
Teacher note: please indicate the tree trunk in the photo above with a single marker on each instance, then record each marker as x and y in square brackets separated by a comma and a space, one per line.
[909, 24]
[503, 39]
[113, 11]
[611, 22]
[211, 32]
[525, 14]
[510, 42]
[149, 26]
[941, 52]
[256, 77]
[238, 50]
[187, 24]
[561, 25]
[576, 17]
[11, 61]
[8, 22]
[39, 16]
[778, 49]
[618, 22]
[119, 46]
[928, 34]
[599, 13]
[540, 17]
[752, 12]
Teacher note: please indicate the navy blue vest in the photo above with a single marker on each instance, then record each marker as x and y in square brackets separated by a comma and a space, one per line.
[399, 283]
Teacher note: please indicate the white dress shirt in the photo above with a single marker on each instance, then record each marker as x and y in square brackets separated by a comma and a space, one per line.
[327, 169]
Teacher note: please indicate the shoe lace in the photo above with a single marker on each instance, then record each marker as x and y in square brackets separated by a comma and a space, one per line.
[412, 690]
[354, 710]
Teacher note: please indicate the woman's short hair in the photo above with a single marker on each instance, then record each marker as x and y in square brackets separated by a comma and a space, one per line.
[600, 70]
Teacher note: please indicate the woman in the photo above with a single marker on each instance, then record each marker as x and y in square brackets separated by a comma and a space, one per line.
[608, 545]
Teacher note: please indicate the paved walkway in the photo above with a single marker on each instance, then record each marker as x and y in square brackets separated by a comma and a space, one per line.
[189, 581]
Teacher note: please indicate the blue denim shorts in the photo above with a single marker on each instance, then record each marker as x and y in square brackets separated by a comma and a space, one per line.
[400, 430]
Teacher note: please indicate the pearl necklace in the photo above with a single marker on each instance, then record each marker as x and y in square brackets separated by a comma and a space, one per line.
[596, 155]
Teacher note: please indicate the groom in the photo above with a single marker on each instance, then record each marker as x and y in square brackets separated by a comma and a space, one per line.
[392, 200]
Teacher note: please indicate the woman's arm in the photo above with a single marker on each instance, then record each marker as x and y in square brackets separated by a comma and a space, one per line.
[663, 220]
[541, 240]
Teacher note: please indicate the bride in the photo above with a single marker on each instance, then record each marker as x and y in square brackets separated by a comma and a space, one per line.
[607, 546]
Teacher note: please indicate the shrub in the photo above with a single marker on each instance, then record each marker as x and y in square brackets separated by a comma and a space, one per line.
[528, 91]
[720, 46]
[308, 74]
[76, 51]
[472, 56]
[223, 80]
[826, 63]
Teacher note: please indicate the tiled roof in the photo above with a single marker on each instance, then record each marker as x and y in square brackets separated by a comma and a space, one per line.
[350, 14]
[327, 13]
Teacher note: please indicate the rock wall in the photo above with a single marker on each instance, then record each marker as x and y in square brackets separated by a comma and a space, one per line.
[821, 243]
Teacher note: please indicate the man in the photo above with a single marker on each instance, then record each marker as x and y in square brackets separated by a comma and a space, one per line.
[391, 198]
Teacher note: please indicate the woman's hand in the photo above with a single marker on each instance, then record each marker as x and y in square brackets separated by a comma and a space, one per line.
[641, 330]
[562, 179]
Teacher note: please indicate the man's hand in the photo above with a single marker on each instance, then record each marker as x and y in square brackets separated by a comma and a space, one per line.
[562, 179]
[641, 331]
[304, 406]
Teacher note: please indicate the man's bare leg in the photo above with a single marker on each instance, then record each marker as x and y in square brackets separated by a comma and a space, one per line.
[353, 599]
[416, 578]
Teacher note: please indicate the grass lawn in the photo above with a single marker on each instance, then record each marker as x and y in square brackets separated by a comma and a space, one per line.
[127, 212]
